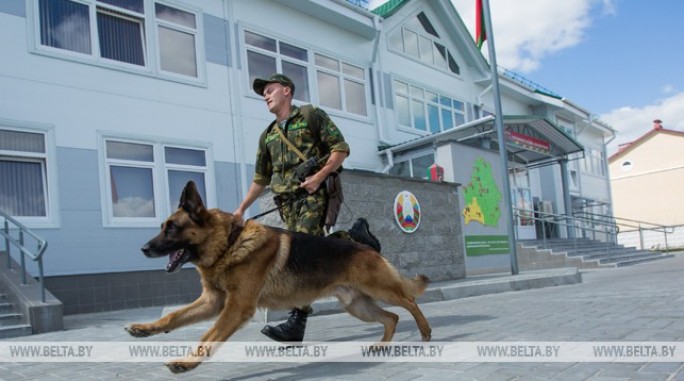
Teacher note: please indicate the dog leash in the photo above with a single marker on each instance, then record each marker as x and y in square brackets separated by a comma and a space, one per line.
[287, 202]
[263, 214]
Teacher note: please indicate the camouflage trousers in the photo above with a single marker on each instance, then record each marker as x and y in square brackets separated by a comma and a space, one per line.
[306, 214]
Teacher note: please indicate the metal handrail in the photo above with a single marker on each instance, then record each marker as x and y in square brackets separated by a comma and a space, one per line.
[562, 220]
[36, 256]
[637, 225]
[621, 221]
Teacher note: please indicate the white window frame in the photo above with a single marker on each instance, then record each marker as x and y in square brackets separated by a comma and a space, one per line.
[311, 72]
[150, 40]
[426, 102]
[594, 162]
[48, 163]
[279, 58]
[403, 29]
[342, 78]
[160, 180]
[199, 57]
[409, 157]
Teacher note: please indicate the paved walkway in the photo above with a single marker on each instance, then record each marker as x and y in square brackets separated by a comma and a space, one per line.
[638, 303]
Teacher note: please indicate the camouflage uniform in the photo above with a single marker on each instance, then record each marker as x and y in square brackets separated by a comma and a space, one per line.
[276, 162]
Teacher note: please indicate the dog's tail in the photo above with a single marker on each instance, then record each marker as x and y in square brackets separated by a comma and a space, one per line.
[416, 286]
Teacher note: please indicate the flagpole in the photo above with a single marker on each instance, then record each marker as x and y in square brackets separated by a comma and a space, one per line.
[503, 154]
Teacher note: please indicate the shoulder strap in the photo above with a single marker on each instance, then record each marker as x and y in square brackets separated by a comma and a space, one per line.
[289, 144]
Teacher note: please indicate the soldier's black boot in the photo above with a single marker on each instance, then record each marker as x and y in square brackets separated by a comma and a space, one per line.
[290, 331]
[360, 232]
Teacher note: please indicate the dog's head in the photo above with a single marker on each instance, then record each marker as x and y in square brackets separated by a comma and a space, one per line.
[182, 233]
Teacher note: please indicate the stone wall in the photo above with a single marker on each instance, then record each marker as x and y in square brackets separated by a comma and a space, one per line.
[435, 249]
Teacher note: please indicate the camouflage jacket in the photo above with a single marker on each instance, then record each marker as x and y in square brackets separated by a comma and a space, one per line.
[275, 162]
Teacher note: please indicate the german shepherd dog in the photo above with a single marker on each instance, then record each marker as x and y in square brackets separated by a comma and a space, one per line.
[244, 266]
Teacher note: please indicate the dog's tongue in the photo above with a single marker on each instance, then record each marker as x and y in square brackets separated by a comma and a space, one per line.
[176, 261]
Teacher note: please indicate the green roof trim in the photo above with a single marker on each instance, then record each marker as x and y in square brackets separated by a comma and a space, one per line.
[548, 94]
[389, 8]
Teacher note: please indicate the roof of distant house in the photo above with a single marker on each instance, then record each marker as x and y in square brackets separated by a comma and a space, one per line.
[630, 146]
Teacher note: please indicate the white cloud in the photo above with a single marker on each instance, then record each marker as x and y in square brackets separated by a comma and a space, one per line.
[527, 31]
[632, 122]
[134, 207]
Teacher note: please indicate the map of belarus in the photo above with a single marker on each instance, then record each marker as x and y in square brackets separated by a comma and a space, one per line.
[482, 197]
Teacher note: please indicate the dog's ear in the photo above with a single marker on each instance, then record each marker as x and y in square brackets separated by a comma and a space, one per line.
[191, 202]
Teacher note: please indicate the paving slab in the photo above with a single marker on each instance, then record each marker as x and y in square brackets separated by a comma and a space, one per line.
[637, 303]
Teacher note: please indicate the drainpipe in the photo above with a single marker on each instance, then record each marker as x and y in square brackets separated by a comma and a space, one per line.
[566, 197]
[390, 161]
[606, 170]
[235, 110]
[480, 102]
[376, 66]
[377, 83]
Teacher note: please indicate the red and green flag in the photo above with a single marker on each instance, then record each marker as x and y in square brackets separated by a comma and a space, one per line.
[480, 32]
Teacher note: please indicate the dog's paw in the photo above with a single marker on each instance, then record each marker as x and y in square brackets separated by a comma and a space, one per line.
[427, 335]
[181, 366]
[139, 330]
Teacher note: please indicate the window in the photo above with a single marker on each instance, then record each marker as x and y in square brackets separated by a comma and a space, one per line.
[419, 39]
[116, 31]
[341, 85]
[567, 126]
[594, 162]
[266, 55]
[426, 110]
[521, 196]
[145, 180]
[183, 165]
[23, 174]
[413, 166]
[177, 31]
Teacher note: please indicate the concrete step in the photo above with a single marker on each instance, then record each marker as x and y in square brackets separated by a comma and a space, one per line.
[636, 258]
[6, 307]
[570, 246]
[16, 330]
[609, 254]
[601, 249]
[645, 259]
[10, 318]
[613, 255]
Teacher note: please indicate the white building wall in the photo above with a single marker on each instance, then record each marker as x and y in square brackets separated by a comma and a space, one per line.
[81, 100]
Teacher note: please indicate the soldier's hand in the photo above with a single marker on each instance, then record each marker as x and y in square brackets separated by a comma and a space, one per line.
[311, 184]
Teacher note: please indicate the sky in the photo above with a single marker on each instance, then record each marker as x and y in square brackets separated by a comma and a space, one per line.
[622, 60]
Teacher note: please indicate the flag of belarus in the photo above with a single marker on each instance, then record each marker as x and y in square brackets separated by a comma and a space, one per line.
[480, 32]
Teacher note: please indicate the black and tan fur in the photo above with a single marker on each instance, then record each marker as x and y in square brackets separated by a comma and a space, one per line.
[248, 266]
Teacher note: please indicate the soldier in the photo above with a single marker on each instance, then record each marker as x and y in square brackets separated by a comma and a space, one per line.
[301, 199]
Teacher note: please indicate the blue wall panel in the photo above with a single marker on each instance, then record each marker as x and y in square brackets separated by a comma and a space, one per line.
[13, 7]
[217, 40]
[82, 245]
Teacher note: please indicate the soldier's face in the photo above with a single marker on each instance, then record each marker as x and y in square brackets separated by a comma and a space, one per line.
[276, 97]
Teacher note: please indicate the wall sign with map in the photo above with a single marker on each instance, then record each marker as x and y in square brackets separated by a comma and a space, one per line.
[482, 200]
[482, 196]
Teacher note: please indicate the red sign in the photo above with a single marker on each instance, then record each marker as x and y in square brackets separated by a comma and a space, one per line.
[528, 142]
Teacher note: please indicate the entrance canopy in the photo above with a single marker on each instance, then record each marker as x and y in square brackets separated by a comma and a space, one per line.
[529, 139]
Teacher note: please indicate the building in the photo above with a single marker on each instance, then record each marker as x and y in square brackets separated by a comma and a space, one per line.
[112, 105]
[645, 175]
